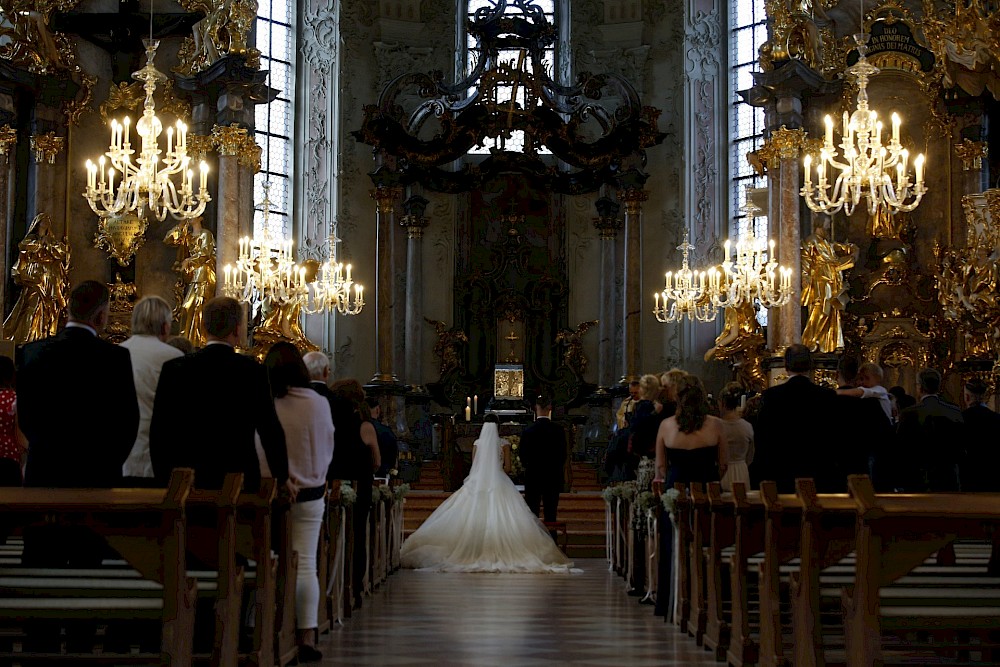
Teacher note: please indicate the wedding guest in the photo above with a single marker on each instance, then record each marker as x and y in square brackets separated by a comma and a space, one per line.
[358, 437]
[691, 445]
[627, 407]
[644, 423]
[388, 445]
[181, 343]
[12, 441]
[870, 386]
[982, 428]
[309, 434]
[738, 434]
[210, 403]
[151, 320]
[789, 413]
[933, 436]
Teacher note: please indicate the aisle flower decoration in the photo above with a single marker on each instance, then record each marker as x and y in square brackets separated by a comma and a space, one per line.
[629, 490]
[348, 496]
[645, 473]
[400, 491]
[516, 467]
[645, 501]
[669, 500]
[610, 493]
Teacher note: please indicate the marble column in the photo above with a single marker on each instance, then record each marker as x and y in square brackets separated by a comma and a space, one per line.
[239, 159]
[414, 223]
[607, 223]
[788, 144]
[8, 140]
[385, 194]
[632, 196]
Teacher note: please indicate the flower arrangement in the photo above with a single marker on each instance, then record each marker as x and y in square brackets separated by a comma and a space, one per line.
[669, 499]
[645, 473]
[629, 490]
[401, 491]
[610, 493]
[645, 501]
[348, 496]
[516, 467]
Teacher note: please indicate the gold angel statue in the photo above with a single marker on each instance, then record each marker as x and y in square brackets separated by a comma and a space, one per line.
[196, 264]
[742, 342]
[572, 339]
[447, 345]
[823, 263]
[42, 271]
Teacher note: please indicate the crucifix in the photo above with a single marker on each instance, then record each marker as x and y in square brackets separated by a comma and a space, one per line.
[512, 338]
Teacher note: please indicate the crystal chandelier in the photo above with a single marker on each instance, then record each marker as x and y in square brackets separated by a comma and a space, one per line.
[754, 275]
[332, 290]
[149, 181]
[266, 268]
[869, 169]
[684, 293]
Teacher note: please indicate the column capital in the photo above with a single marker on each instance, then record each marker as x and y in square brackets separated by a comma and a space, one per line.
[199, 145]
[414, 225]
[788, 142]
[46, 147]
[607, 221]
[229, 139]
[8, 139]
[385, 197]
[633, 198]
[971, 153]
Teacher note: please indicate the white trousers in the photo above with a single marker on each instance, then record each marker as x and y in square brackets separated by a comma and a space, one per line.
[306, 520]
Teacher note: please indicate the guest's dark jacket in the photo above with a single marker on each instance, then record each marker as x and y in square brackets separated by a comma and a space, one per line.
[543, 454]
[351, 457]
[931, 442]
[793, 433]
[982, 438]
[76, 404]
[388, 447]
[208, 405]
[863, 431]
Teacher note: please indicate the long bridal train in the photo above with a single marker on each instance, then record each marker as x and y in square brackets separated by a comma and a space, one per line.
[485, 526]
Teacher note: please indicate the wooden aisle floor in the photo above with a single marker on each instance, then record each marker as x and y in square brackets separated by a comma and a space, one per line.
[509, 620]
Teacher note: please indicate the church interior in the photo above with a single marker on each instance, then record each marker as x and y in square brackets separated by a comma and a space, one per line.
[465, 205]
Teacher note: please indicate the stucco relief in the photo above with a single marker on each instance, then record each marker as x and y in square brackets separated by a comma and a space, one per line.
[704, 37]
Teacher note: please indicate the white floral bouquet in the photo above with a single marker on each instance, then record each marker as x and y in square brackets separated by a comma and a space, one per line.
[348, 496]
[669, 499]
[610, 493]
[629, 490]
[644, 502]
[645, 473]
[401, 491]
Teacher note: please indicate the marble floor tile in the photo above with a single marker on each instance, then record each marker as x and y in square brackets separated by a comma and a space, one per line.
[503, 620]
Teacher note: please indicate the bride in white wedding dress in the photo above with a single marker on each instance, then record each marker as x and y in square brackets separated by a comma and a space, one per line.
[485, 526]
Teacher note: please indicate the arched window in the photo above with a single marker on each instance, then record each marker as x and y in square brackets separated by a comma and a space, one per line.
[552, 14]
[747, 32]
[275, 121]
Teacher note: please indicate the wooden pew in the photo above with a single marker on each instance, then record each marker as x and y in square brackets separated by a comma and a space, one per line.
[722, 536]
[895, 534]
[147, 527]
[337, 589]
[749, 541]
[286, 649]
[700, 528]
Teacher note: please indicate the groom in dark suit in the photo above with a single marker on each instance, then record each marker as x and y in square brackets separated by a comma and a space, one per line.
[543, 454]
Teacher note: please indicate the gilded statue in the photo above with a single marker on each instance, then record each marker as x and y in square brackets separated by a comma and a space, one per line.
[42, 271]
[224, 30]
[30, 42]
[883, 224]
[742, 342]
[447, 345]
[823, 264]
[574, 357]
[280, 323]
[196, 265]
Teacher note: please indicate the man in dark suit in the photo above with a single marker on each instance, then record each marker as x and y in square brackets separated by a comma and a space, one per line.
[931, 438]
[793, 436]
[76, 400]
[982, 437]
[388, 445]
[209, 404]
[543, 454]
[348, 452]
